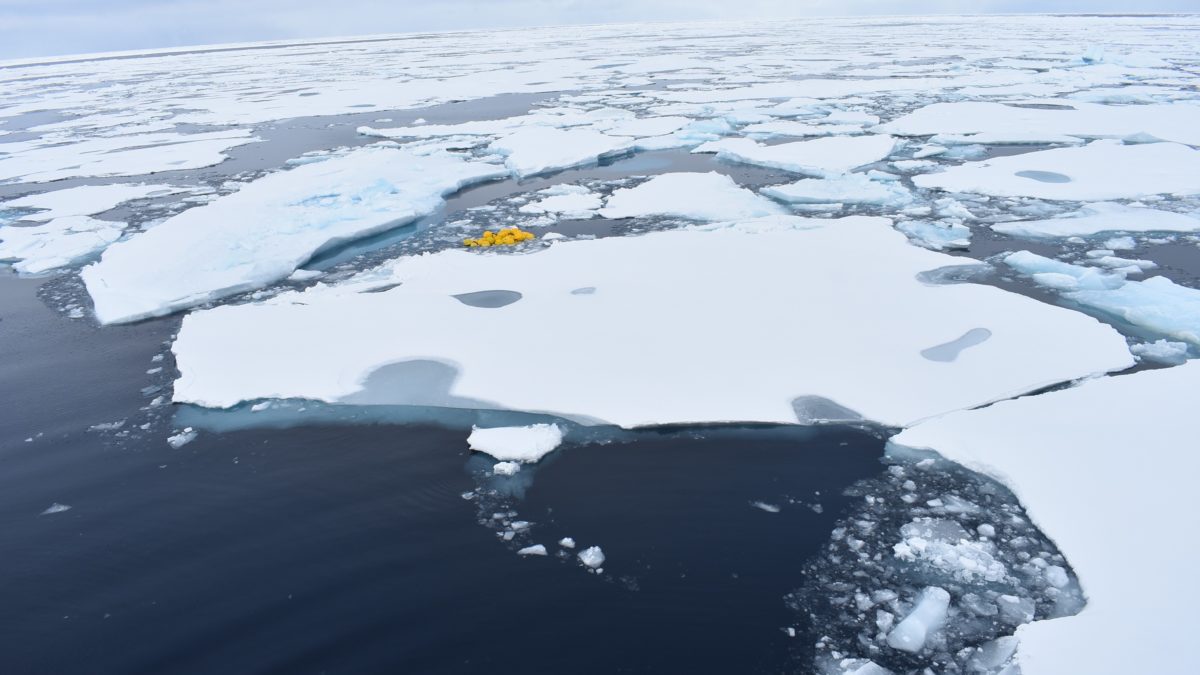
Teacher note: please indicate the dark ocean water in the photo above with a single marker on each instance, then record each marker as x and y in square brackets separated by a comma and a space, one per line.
[338, 548]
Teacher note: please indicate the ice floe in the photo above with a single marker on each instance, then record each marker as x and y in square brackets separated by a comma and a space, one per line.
[264, 231]
[850, 188]
[1091, 464]
[1156, 304]
[1097, 171]
[534, 150]
[818, 157]
[1049, 121]
[565, 201]
[666, 337]
[693, 196]
[517, 444]
[67, 234]
[1102, 217]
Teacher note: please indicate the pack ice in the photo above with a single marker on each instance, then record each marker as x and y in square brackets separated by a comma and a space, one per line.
[1096, 465]
[1100, 170]
[778, 319]
[263, 232]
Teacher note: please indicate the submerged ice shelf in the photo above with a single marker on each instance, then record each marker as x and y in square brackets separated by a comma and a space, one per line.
[707, 324]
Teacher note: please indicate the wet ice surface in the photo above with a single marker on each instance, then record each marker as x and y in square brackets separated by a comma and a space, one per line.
[1066, 137]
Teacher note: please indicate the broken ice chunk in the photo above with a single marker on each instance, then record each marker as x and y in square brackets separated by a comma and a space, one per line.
[506, 468]
[536, 549]
[926, 617]
[182, 438]
[592, 556]
[516, 444]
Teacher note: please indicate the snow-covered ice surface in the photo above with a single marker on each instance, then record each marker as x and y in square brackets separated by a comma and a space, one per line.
[1100, 170]
[1131, 434]
[264, 231]
[653, 295]
[658, 166]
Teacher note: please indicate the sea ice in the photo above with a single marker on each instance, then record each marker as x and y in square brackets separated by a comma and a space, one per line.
[536, 549]
[264, 231]
[1089, 463]
[1157, 304]
[517, 444]
[850, 188]
[565, 201]
[995, 123]
[1161, 351]
[936, 236]
[694, 196]
[506, 468]
[632, 348]
[592, 556]
[926, 617]
[535, 150]
[819, 157]
[1099, 170]
[1102, 217]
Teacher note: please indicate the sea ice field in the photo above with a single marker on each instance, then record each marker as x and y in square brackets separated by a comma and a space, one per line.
[826, 346]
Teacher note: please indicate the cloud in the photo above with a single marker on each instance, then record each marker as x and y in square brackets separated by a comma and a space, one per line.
[44, 27]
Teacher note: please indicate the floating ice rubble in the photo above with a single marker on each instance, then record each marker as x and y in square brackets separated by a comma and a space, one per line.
[1157, 304]
[263, 232]
[565, 201]
[1099, 170]
[665, 338]
[819, 157]
[68, 233]
[1102, 217]
[1095, 465]
[934, 567]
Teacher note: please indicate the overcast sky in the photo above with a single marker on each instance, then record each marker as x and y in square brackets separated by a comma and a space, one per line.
[45, 27]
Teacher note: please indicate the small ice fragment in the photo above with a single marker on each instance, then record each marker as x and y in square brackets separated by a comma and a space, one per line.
[56, 508]
[986, 530]
[566, 542]
[536, 549]
[506, 468]
[1161, 351]
[926, 617]
[769, 508]
[592, 556]
[1016, 610]
[259, 407]
[182, 438]
[519, 444]
[1057, 576]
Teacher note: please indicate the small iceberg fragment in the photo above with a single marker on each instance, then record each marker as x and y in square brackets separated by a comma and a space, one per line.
[1165, 352]
[592, 556]
[926, 618]
[516, 444]
[769, 508]
[536, 549]
[182, 438]
[55, 508]
[566, 542]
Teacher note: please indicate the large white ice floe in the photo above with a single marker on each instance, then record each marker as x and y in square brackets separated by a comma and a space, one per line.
[67, 233]
[1102, 217]
[1095, 465]
[818, 157]
[1097, 171]
[1051, 121]
[1157, 304]
[770, 320]
[132, 155]
[516, 444]
[694, 196]
[263, 232]
[533, 150]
